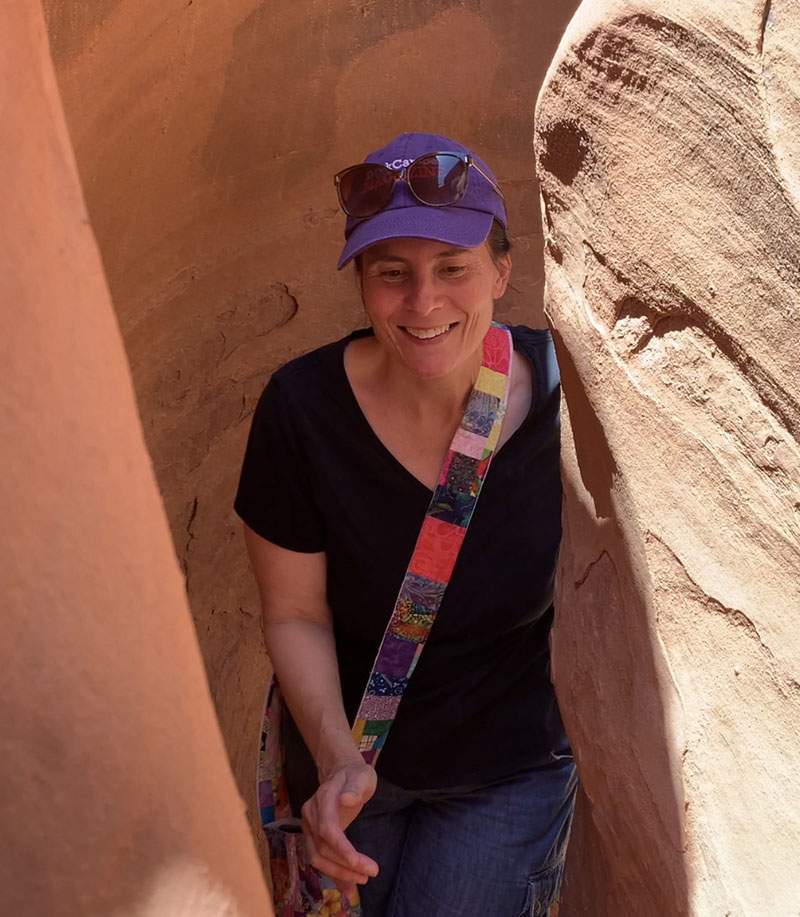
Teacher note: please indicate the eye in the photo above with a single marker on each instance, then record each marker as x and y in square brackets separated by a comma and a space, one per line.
[453, 270]
[392, 273]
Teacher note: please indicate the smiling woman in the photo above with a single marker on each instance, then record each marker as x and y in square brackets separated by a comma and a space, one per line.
[373, 450]
[430, 305]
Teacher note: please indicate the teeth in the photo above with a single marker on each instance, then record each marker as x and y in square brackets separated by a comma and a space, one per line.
[427, 332]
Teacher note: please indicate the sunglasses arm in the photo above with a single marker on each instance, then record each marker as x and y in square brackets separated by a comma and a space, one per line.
[490, 180]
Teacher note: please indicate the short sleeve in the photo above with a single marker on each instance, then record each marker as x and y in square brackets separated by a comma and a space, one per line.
[275, 496]
[537, 344]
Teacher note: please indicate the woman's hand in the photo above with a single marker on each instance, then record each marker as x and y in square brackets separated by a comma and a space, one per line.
[330, 810]
[298, 632]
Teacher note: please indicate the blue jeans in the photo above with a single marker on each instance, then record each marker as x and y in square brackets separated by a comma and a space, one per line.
[491, 851]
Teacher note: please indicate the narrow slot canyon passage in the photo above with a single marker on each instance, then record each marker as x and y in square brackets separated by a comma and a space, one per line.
[169, 232]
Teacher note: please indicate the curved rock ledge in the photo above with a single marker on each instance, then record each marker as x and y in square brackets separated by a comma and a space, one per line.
[668, 158]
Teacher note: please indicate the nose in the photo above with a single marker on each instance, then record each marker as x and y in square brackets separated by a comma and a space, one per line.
[422, 295]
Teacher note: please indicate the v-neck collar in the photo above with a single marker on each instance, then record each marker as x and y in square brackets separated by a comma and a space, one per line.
[378, 442]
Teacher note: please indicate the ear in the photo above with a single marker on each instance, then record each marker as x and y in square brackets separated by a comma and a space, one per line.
[503, 267]
[358, 280]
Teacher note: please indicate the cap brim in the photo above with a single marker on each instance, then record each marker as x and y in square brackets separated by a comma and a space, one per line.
[454, 225]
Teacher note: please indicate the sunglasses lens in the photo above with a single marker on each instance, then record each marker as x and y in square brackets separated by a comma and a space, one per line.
[439, 179]
[365, 189]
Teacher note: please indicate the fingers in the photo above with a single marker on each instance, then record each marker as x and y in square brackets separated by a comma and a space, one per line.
[345, 876]
[336, 855]
[325, 815]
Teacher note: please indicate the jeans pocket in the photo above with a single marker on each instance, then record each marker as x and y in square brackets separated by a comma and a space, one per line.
[543, 888]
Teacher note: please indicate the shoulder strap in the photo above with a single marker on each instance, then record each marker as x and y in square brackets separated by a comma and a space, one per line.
[439, 541]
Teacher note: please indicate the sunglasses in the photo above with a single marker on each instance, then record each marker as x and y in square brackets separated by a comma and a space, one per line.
[435, 179]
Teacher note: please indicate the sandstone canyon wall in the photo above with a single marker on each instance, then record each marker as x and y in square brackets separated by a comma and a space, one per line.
[669, 160]
[206, 136]
[116, 797]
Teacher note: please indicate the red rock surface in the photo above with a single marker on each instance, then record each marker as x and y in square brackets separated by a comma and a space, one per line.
[206, 136]
[116, 796]
[668, 155]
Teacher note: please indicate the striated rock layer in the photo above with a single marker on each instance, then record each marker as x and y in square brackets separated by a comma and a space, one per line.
[116, 797]
[207, 136]
[669, 161]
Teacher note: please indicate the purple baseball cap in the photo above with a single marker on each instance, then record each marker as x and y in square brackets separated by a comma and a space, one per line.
[466, 223]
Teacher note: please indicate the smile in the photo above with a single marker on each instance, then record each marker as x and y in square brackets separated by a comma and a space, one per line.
[425, 333]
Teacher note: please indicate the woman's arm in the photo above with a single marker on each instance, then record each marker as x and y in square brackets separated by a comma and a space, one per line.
[299, 636]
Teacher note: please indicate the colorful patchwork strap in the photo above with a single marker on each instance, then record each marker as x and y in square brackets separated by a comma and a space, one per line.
[438, 544]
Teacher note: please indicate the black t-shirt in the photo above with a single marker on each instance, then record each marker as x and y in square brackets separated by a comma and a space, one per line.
[479, 706]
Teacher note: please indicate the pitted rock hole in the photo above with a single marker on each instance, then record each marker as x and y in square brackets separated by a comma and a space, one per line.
[566, 149]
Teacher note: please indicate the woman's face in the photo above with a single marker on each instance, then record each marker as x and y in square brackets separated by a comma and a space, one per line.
[431, 303]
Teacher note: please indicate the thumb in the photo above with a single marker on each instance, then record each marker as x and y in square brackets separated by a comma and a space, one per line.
[357, 789]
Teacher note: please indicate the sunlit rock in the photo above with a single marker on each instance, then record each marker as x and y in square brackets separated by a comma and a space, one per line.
[116, 797]
[668, 153]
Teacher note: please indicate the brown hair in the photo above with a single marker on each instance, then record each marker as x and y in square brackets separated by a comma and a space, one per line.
[498, 242]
